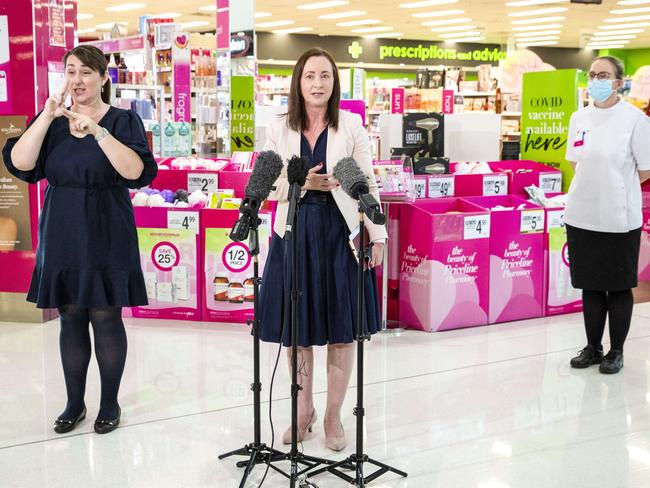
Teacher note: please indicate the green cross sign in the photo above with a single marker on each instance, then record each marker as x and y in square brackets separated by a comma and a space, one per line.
[355, 50]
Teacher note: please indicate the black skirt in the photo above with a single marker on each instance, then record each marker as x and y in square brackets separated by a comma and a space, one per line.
[603, 261]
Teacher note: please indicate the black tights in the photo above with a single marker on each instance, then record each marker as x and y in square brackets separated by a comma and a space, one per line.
[597, 304]
[110, 350]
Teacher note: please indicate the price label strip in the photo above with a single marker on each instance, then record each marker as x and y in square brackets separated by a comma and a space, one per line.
[206, 182]
[551, 183]
[532, 221]
[183, 220]
[494, 185]
[441, 186]
[555, 219]
[476, 227]
[420, 188]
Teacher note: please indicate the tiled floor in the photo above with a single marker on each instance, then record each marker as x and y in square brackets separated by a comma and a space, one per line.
[489, 407]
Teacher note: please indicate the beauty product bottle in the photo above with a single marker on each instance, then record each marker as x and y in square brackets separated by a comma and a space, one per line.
[249, 290]
[498, 101]
[121, 71]
[180, 281]
[236, 292]
[221, 283]
[164, 292]
[112, 69]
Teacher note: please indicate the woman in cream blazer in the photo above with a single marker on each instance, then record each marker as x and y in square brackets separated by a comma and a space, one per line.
[317, 130]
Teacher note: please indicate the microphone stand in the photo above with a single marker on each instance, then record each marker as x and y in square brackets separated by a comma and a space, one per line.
[357, 460]
[256, 451]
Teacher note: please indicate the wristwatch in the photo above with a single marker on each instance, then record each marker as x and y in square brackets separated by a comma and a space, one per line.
[102, 134]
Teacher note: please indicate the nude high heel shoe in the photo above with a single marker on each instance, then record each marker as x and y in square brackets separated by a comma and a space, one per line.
[303, 434]
[335, 443]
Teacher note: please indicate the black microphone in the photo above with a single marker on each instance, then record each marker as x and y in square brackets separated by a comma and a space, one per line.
[355, 184]
[297, 171]
[266, 171]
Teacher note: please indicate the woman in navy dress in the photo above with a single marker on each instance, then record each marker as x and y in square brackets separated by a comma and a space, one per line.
[87, 261]
[315, 128]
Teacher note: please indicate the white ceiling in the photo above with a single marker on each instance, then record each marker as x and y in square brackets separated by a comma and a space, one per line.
[490, 18]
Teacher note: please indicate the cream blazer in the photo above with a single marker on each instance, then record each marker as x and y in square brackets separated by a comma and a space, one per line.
[349, 140]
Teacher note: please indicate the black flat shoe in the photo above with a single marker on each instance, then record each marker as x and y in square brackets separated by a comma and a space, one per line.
[63, 426]
[106, 426]
[588, 356]
[612, 363]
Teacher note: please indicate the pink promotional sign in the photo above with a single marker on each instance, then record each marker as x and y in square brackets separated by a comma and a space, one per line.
[644, 250]
[397, 101]
[448, 101]
[355, 107]
[181, 76]
[444, 265]
[119, 45]
[223, 24]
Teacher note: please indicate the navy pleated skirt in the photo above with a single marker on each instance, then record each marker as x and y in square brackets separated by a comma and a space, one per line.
[327, 307]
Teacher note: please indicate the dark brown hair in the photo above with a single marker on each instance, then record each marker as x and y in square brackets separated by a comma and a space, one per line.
[619, 69]
[93, 58]
[297, 115]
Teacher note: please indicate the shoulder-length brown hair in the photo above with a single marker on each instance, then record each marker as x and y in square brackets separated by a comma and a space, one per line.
[297, 114]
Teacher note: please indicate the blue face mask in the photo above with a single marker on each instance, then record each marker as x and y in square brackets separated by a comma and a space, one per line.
[600, 90]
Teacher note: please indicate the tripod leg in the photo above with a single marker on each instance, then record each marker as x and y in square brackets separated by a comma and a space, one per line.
[249, 468]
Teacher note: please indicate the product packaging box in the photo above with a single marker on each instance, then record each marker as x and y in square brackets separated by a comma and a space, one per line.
[188, 179]
[644, 251]
[526, 173]
[561, 297]
[516, 258]
[444, 264]
[227, 271]
[170, 255]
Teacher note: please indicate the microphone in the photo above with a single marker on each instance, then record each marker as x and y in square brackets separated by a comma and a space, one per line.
[355, 184]
[297, 176]
[266, 171]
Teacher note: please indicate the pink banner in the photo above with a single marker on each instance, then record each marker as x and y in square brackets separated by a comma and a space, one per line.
[448, 101]
[397, 101]
[355, 107]
[181, 76]
[118, 45]
[223, 24]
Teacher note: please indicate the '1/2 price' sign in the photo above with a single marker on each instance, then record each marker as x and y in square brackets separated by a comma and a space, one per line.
[236, 257]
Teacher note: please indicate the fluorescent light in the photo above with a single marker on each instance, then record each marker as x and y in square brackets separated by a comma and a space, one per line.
[465, 39]
[84, 16]
[86, 31]
[293, 30]
[612, 38]
[241, 34]
[597, 42]
[625, 11]
[537, 27]
[372, 29]
[386, 34]
[538, 33]
[533, 44]
[454, 28]
[541, 11]
[628, 19]
[438, 13]
[426, 3]
[538, 39]
[167, 15]
[633, 25]
[633, 2]
[530, 3]
[341, 15]
[125, 6]
[353, 23]
[109, 25]
[606, 46]
[259, 15]
[194, 23]
[275, 23]
[613, 33]
[460, 34]
[318, 5]
[446, 22]
[537, 21]
[208, 8]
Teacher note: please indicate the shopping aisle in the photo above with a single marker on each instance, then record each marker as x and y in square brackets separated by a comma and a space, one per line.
[491, 407]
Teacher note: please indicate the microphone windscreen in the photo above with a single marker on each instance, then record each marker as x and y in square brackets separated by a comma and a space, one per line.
[297, 170]
[351, 178]
[266, 171]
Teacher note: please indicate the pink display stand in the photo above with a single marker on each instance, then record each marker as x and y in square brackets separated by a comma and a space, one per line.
[175, 179]
[644, 250]
[232, 178]
[516, 258]
[469, 185]
[561, 297]
[444, 265]
[531, 173]
[170, 255]
[227, 267]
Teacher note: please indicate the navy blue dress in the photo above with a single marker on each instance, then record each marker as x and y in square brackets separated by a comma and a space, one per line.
[327, 305]
[87, 241]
